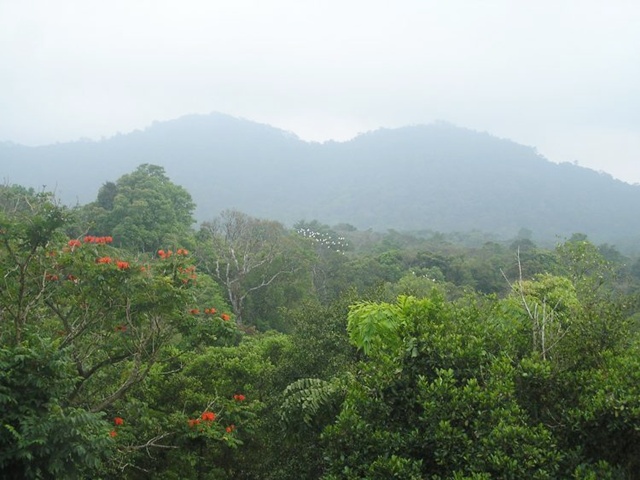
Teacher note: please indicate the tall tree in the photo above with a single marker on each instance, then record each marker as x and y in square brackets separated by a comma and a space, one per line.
[244, 254]
[143, 210]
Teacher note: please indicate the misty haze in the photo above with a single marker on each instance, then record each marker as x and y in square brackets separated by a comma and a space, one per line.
[333, 240]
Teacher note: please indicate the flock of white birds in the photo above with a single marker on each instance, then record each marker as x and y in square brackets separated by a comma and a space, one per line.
[337, 244]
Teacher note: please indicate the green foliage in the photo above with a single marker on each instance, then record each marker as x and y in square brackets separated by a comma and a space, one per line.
[451, 391]
[537, 382]
[414, 285]
[319, 334]
[374, 327]
[143, 210]
[305, 398]
[41, 435]
[24, 235]
[245, 255]
[103, 319]
[607, 411]
[584, 264]
[240, 384]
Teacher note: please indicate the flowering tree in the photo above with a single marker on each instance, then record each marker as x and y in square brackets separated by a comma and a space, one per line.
[81, 324]
[95, 296]
[42, 434]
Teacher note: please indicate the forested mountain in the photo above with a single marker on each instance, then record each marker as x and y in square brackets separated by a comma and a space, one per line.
[436, 177]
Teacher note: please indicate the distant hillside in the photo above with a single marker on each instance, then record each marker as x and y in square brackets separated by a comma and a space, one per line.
[436, 177]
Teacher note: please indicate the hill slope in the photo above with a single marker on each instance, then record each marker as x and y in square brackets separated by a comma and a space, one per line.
[437, 177]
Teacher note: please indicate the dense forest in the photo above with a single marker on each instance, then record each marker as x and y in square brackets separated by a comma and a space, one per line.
[136, 343]
[434, 178]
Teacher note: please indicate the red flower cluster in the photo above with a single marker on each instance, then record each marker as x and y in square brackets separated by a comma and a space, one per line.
[122, 265]
[167, 254]
[190, 271]
[51, 277]
[210, 311]
[239, 397]
[230, 428]
[74, 243]
[117, 421]
[194, 311]
[225, 317]
[98, 240]
[208, 416]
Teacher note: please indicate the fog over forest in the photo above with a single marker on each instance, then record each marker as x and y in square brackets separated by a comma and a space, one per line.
[436, 177]
[334, 240]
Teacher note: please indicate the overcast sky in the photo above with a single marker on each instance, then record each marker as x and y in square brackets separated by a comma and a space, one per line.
[563, 76]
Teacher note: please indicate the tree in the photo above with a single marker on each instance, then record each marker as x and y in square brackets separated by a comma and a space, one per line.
[83, 294]
[143, 210]
[435, 397]
[24, 233]
[245, 254]
[84, 324]
[41, 434]
[17, 199]
[453, 390]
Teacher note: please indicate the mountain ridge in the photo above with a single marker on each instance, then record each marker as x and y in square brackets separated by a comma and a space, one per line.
[435, 177]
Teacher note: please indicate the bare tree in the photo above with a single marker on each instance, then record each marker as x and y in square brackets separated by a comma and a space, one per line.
[243, 254]
[546, 329]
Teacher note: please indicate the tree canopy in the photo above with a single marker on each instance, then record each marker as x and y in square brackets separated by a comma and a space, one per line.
[247, 349]
[142, 210]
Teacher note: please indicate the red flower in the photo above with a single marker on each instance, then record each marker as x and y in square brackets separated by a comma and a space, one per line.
[98, 240]
[225, 317]
[230, 428]
[74, 243]
[51, 277]
[118, 421]
[193, 422]
[104, 260]
[194, 311]
[208, 416]
[122, 265]
[239, 397]
[182, 251]
[113, 433]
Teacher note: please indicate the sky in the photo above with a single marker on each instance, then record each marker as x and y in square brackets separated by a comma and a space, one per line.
[562, 76]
